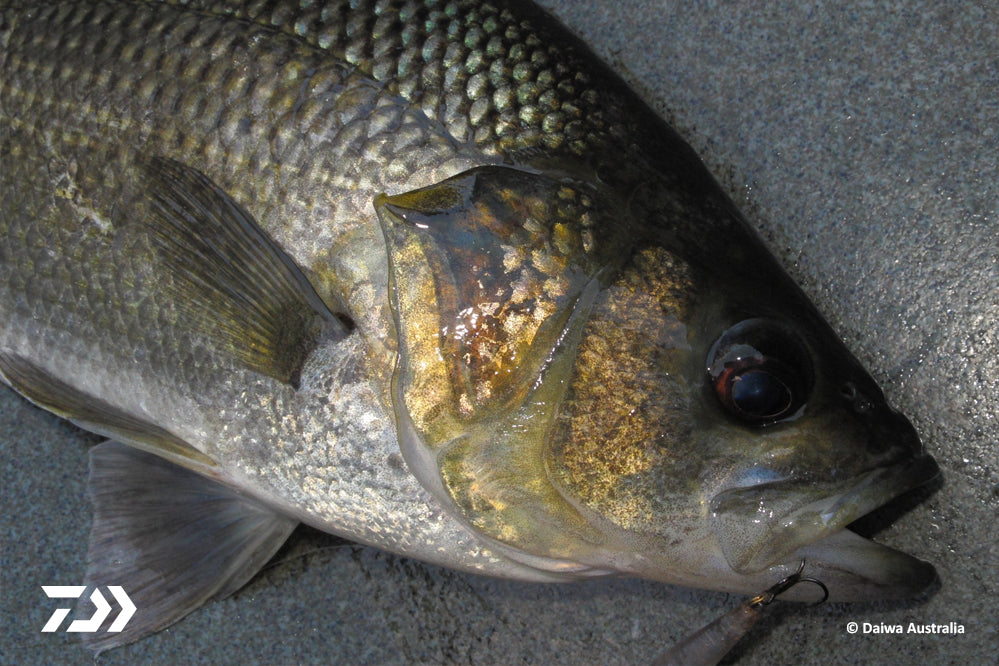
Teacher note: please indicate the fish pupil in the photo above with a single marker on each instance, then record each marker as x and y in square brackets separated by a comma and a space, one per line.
[760, 394]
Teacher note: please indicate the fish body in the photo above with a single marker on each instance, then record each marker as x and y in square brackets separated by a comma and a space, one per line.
[423, 275]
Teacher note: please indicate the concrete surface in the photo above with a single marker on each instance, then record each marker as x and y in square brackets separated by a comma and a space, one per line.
[862, 139]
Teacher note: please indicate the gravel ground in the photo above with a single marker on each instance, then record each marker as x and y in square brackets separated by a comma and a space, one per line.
[861, 140]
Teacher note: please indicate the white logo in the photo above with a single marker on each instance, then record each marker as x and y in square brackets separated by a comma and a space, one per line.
[103, 608]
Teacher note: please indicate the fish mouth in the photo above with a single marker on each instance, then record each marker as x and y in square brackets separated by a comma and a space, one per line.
[856, 568]
[759, 528]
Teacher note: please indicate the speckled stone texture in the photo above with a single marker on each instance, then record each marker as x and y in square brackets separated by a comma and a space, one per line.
[862, 141]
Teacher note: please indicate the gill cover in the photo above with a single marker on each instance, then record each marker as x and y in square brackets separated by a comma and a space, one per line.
[493, 274]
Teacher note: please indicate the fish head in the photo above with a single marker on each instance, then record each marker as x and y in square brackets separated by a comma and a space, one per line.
[593, 395]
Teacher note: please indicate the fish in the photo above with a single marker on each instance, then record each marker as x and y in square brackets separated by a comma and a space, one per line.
[424, 275]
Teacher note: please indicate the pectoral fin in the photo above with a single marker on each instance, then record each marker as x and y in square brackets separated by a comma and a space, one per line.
[235, 285]
[171, 538]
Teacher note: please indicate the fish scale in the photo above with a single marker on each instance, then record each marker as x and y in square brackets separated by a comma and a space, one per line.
[492, 78]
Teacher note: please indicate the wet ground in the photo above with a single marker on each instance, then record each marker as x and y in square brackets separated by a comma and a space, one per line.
[863, 142]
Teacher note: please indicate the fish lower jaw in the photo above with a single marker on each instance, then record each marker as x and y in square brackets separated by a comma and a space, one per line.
[854, 568]
[851, 567]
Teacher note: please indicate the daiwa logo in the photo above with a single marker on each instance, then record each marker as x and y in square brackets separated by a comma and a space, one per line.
[103, 608]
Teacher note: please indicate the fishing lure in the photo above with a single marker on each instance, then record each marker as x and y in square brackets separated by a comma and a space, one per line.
[711, 643]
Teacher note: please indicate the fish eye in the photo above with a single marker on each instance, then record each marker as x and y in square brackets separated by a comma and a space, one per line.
[760, 371]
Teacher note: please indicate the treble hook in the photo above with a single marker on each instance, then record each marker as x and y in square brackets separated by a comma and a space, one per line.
[710, 644]
[767, 597]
